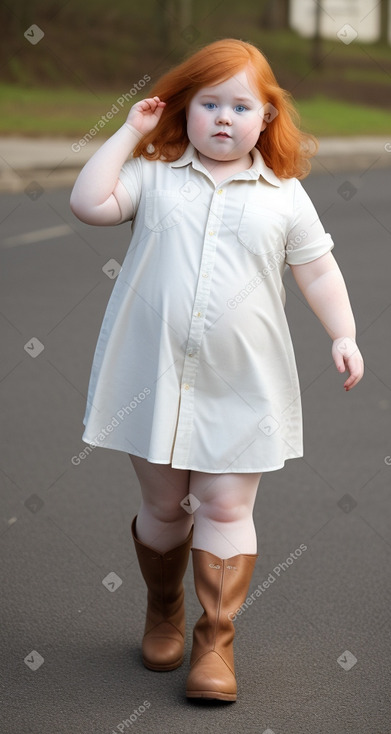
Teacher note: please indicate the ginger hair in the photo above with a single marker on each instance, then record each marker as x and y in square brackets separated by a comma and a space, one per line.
[284, 148]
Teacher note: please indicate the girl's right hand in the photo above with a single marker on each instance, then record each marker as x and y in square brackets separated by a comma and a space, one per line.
[145, 115]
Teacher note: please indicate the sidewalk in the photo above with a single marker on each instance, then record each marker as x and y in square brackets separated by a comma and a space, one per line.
[55, 163]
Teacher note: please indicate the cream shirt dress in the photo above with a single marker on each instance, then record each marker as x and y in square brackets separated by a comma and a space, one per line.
[194, 364]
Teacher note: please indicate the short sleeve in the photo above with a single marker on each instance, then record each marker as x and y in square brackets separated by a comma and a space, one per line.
[131, 177]
[307, 239]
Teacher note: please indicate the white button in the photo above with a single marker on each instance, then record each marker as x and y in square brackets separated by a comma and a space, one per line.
[220, 191]
[211, 232]
[205, 275]
[186, 387]
[199, 314]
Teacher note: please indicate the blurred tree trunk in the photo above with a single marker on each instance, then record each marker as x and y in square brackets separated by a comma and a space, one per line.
[185, 13]
[317, 39]
[275, 14]
[384, 20]
[165, 20]
[23, 14]
[172, 17]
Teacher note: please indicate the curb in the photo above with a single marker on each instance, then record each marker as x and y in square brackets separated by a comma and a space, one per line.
[52, 164]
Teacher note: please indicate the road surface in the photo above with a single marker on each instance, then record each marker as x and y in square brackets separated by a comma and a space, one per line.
[313, 650]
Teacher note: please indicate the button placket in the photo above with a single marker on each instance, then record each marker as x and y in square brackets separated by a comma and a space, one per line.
[196, 331]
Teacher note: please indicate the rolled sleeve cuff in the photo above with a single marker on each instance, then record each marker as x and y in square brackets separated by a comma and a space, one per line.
[311, 251]
[127, 178]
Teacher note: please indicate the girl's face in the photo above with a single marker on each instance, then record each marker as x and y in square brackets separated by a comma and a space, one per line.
[224, 121]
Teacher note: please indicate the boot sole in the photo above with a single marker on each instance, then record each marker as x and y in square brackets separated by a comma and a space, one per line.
[212, 694]
[163, 668]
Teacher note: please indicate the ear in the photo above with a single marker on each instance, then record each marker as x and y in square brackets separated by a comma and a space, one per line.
[261, 112]
[268, 112]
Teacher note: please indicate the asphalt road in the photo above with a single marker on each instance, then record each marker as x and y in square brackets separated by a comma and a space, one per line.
[313, 651]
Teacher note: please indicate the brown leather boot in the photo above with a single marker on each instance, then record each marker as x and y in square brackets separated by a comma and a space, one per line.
[164, 633]
[221, 587]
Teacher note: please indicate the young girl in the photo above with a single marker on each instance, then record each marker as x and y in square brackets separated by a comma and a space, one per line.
[194, 374]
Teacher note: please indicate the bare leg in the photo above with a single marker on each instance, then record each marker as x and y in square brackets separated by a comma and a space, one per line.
[162, 523]
[223, 523]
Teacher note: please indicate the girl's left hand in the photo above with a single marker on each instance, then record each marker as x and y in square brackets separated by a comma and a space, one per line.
[346, 353]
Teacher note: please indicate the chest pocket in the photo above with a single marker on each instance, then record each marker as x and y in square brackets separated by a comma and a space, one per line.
[163, 209]
[261, 230]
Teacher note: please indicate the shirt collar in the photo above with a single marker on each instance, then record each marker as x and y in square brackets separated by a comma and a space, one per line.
[258, 168]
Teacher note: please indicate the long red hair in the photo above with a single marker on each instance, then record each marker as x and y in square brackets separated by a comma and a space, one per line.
[284, 148]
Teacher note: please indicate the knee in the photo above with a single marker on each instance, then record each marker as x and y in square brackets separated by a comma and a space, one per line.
[164, 509]
[225, 508]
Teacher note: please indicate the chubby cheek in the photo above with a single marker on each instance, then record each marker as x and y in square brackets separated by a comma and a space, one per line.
[197, 124]
[254, 129]
[254, 135]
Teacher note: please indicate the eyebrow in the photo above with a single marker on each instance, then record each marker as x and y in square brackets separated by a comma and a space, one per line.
[237, 99]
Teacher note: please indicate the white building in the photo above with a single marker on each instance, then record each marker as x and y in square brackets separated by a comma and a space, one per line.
[348, 20]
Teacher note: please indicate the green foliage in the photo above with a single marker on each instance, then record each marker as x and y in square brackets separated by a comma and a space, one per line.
[69, 112]
[99, 45]
[322, 116]
[94, 51]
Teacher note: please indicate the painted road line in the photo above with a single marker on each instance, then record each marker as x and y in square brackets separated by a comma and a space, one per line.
[38, 236]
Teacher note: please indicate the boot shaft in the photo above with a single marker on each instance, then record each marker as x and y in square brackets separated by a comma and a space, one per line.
[163, 641]
[162, 572]
[221, 586]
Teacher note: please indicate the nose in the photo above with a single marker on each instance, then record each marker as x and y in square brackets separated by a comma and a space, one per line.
[223, 117]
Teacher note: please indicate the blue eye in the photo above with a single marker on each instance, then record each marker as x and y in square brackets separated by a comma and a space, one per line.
[242, 107]
[209, 105]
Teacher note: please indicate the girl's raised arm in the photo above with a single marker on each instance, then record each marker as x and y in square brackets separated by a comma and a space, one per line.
[98, 196]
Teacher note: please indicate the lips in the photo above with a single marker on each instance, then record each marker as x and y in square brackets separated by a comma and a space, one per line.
[221, 135]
